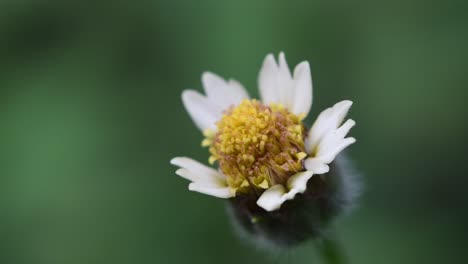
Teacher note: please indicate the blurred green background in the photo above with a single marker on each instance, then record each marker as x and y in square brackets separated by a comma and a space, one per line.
[90, 115]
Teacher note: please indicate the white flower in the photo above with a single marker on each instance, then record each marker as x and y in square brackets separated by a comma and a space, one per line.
[262, 147]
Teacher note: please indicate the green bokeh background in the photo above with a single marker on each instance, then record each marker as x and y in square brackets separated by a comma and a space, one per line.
[90, 115]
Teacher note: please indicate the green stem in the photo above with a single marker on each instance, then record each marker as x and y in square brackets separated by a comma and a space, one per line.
[331, 251]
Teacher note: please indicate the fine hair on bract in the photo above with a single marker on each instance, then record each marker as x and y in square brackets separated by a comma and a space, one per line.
[304, 218]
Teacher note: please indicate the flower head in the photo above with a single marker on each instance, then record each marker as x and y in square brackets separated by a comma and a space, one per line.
[262, 149]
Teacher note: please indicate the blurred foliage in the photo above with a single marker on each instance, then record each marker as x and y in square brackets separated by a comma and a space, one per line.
[91, 114]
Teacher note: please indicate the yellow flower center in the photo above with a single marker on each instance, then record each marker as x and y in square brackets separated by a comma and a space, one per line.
[257, 146]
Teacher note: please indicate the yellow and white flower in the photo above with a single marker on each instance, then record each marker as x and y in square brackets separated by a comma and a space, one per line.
[262, 147]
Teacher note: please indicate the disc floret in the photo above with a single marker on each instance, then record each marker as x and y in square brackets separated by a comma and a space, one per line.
[257, 145]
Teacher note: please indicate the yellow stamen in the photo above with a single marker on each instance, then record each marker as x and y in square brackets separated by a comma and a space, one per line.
[257, 144]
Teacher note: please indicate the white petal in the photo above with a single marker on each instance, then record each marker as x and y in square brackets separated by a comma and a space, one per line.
[316, 166]
[327, 138]
[329, 120]
[302, 100]
[298, 183]
[334, 137]
[204, 179]
[267, 80]
[272, 198]
[197, 172]
[285, 84]
[328, 154]
[345, 127]
[278, 86]
[186, 174]
[213, 190]
[204, 113]
[275, 196]
[223, 94]
[238, 93]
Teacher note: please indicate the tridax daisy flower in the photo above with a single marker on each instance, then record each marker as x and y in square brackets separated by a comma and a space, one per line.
[262, 148]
